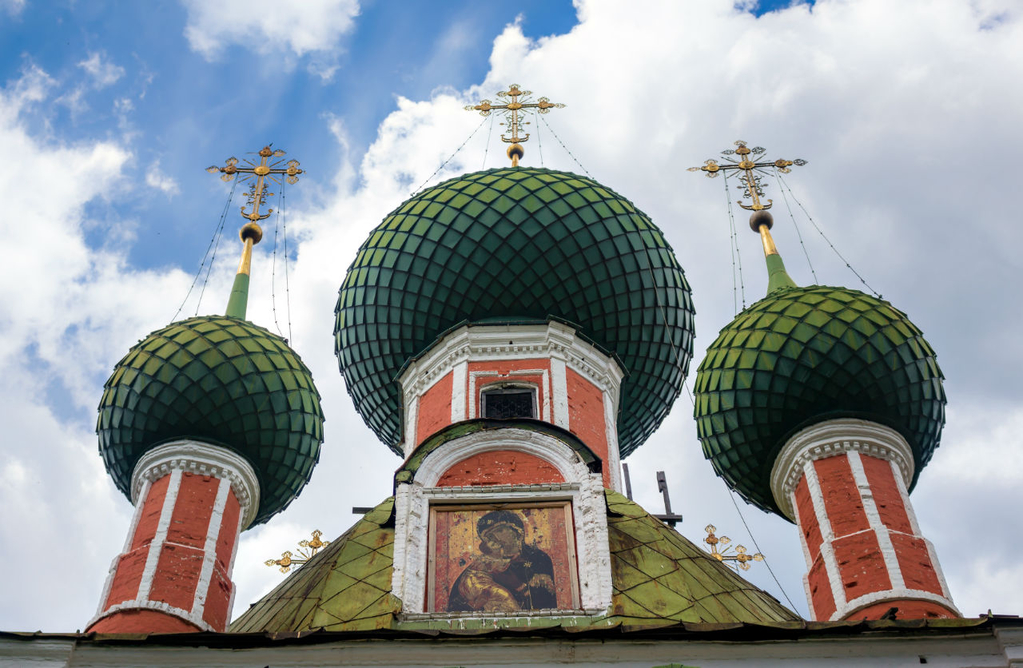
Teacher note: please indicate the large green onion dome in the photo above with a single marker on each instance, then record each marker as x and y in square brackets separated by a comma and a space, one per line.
[807, 354]
[516, 245]
[219, 380]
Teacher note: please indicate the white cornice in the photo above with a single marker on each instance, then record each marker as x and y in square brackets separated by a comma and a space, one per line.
[488, 342]
[203, 459]
[833, 437]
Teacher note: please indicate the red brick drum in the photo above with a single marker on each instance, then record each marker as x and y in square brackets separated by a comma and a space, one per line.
[174, 573]
[864, 551]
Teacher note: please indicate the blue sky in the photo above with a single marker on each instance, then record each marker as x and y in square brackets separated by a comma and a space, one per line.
[219, 105]
[110, 113]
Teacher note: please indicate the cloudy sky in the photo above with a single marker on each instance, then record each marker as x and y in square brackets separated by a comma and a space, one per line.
[109, 113]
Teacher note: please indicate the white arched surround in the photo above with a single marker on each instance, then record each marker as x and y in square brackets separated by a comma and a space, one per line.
[582, 487]
[553, 341]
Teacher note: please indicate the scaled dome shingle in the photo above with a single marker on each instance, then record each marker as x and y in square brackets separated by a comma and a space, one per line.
[220, 380]
[807, 354]
[516, 245]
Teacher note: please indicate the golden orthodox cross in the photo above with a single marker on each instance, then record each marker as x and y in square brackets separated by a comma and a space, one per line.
[741, 558]
[511, 110]
[307, 550]
[265, 169]
[748, 164]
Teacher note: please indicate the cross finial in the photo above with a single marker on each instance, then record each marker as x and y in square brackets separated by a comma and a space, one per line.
[749, 165]
[251, 232]
[307, 550]
[514, 112]
[750, 168]
[261, 171]
[740, 558]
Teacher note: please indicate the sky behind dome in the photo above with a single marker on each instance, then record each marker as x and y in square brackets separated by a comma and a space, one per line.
[109, 113]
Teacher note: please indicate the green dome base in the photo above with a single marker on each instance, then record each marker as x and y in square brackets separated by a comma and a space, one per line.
[218, 380]
[517, 245]
[804, 355]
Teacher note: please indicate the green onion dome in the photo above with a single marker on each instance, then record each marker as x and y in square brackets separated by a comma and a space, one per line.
[516, 245]
[804, 355]
[219, 380]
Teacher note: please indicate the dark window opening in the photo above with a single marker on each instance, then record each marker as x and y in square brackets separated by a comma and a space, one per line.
[509, 402]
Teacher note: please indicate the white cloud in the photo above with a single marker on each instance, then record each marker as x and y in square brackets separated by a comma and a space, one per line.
[67, 311]
[103, 72]
[155, 178]
[266, 25]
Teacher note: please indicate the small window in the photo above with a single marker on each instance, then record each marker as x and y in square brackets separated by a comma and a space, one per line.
[509, 402]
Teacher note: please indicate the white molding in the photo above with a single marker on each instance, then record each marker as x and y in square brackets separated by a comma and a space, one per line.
[915, 526]
[238, 528]
[203, 459]
[209, 561]
[802, 536]
[162, 527]
[535, 443]
[516, 492]
[834, 573]
[559, 391]
[614, 460]
[551, 341]
[491, 342]
[1010, 642]
[584, 489]
[136, 516]
[834, 437]
[894, 595]
[159, 606]
[904, 494]
[513, 377]
[459, 379]
[411, 432]
[884, 539]
[132, 529]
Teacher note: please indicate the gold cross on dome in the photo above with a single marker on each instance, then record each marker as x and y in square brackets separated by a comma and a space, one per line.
[740, 558]
[307, 550]
[514, 111]
[261, 171]
[748, 164]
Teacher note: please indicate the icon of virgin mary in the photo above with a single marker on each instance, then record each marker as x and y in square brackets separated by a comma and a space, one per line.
[507, 575]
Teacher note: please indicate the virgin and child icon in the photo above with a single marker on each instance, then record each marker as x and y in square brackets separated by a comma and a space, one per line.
[498, 563]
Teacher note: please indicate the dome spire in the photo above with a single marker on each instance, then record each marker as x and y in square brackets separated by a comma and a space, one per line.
[760, 221]
[237, 303]
[251, 233]
[511, 111]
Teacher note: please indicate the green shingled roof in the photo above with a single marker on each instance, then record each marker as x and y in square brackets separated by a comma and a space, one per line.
[516, 245]
[803, 355]
[658, 577]
[220, 380]
[345, 587]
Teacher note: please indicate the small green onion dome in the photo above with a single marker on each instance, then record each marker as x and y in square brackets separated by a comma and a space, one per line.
[516, 245]
[219, 380]
[807, 354]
